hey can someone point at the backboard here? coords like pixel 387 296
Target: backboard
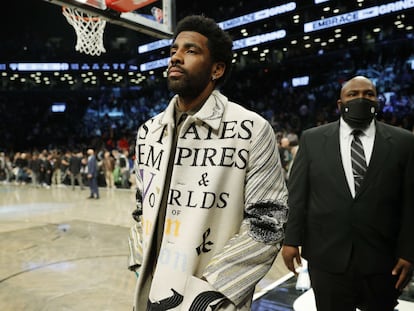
pixel 152 17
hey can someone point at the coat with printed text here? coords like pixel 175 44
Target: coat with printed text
pixel 225 213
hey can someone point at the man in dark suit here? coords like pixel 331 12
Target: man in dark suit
pixel 358 242
pixel 93 174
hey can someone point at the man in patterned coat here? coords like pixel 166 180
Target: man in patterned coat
pixel 211 197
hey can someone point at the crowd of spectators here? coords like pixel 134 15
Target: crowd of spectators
pixel 108 122
pixel 68 168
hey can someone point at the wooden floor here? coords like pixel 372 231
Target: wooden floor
pixel 61 251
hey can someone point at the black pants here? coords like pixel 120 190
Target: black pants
pixel 353 289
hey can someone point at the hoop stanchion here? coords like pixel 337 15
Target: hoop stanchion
pixel 89 30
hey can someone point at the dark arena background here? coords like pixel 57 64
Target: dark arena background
pixel 62 252
pixel 289 61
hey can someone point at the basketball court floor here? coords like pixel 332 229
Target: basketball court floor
pixel 62 251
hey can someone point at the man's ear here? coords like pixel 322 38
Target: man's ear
pixel 338 104
pixel 218 70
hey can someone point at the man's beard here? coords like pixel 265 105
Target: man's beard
pixel 189 86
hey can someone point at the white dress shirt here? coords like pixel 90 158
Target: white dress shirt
pixel 345 139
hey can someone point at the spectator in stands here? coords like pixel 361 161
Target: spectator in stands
pixel 125 168
pixel 65 167
pixel 35 166
pixel 210 183
pixel 123 143
pixel 45 169
pixel 5 167
pixel 74 169
pixel 49 168
pixel 21 165
pixel 108 165
pixel 285 155
pixel 93 174
pixel 84 169
pixel 293 148
pixel 117 167
pixel 56 168
pixel 356 235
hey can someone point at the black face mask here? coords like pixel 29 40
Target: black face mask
pixel 359 112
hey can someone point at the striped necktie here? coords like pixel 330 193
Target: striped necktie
pixel 359 164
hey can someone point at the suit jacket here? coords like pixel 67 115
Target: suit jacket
pixel 329 224
pixel 92 166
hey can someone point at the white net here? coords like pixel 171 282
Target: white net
pixel 89 31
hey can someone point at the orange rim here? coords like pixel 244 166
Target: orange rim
pixel 77 17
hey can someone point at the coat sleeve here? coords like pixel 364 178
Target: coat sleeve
pixel 405 248
pixel 135 232
pixel 248 256
pixel 298 193
pixel 135 248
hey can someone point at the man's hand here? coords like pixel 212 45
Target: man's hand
pixel 289 253
pixel 404 270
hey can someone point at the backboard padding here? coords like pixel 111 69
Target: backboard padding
pixel 127 5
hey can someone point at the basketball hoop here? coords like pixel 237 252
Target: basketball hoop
pixel 89 30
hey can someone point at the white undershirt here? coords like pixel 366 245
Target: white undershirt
pixel 345 139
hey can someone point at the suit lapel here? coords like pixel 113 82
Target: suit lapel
pixel 333 157
pixel 380 152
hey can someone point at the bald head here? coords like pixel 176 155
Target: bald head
pixel 358 102
pixel 284 142
pixel 357 87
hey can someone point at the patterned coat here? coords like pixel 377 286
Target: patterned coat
pixel 225 214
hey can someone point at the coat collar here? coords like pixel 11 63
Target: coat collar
pixel 210 113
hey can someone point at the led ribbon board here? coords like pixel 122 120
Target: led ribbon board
pixel 356 16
